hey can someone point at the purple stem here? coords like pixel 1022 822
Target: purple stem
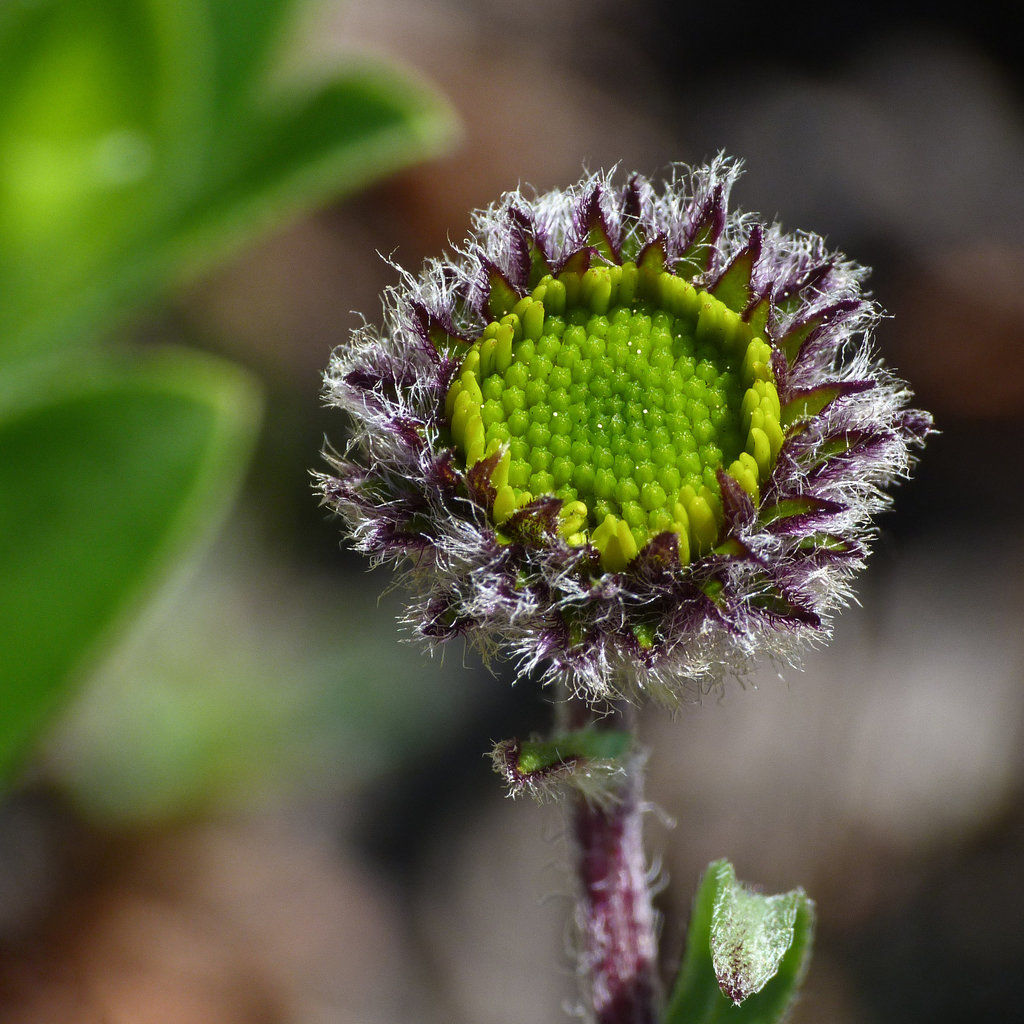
pixel 618 948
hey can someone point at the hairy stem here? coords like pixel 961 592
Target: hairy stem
pixel 618 948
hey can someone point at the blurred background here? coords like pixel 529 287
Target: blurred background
pixel 234 794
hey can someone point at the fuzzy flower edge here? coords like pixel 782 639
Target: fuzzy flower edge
pixel 658 628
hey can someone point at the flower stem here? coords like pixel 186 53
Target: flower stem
pixel 618 948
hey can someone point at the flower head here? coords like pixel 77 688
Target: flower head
pixel 629 436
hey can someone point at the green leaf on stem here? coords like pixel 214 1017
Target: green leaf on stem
pixel 584 744
pixel 592 761
pixel 746 953
pixel 109 474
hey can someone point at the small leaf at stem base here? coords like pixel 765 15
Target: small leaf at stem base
pixel 746 953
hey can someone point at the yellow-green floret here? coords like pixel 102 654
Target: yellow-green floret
pixel 622 391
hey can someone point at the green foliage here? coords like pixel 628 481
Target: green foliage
pixel 106 476
pixel 746 954
pixel 583 744
pixel 141 140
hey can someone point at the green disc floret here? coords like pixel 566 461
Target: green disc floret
pixel 622 391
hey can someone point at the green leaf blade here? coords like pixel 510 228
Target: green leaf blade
pixel 750 934
pixel 758 946
pixel 246 37
pixel 105 115
pixel 104 482
pixel 142 141
pixel 367 122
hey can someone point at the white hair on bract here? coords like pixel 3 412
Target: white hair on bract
pixel 661 627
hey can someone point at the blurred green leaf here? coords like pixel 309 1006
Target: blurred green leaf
pixel 103 111
pixel 303 149
pixel 109 472
pixel 140 140
pixel 246 35
pixel 758 947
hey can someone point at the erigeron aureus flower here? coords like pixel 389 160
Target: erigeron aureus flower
pixel 627 435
